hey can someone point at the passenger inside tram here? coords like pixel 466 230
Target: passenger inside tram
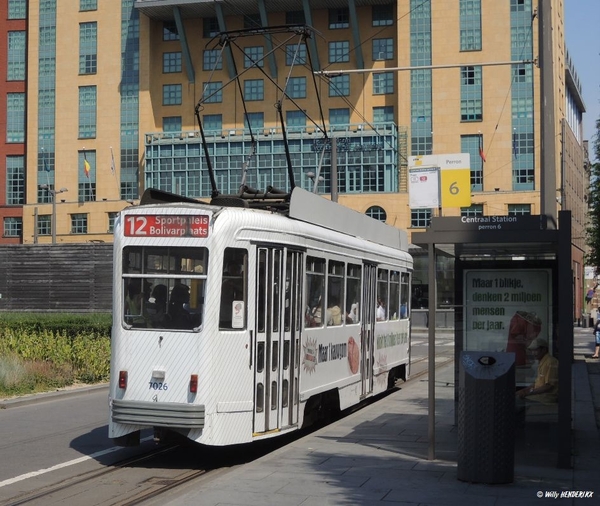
pixel 179 311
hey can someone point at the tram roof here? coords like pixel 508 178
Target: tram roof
pixel 303 206
pixel 308 207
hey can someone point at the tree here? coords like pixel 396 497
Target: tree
pixel 593 227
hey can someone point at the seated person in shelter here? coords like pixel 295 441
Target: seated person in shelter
pixel 524 327
pixel 545 387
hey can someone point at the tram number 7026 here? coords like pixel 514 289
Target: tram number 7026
pixel 158 385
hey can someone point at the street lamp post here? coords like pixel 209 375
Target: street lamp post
pixel 53 193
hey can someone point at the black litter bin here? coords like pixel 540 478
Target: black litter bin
pixel 486 417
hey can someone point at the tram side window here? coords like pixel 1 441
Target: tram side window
pixel 353 292
pixel 382 294
pixel 233 291
pixel 156 295
pixel 315 288
pixel 394 303
pixel 404 295
pixel 335 293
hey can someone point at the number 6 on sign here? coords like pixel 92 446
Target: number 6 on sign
pixel 456 187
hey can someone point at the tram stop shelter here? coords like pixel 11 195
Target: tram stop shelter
pixel 513 283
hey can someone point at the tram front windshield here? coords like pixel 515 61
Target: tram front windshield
pixel 164 287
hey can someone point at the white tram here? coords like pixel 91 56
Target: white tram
pixel 235 324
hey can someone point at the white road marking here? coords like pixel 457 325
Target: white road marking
pixel 64 464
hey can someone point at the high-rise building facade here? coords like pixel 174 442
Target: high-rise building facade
pixel 114 89
pixel 13 48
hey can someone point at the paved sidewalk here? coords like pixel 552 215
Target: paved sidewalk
pixel 378 455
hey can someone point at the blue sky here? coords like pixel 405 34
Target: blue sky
pixel 582 33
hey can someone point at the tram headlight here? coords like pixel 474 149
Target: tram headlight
pixel 123 379
pixel 194 383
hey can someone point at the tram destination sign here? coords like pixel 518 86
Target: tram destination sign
pixel 153 225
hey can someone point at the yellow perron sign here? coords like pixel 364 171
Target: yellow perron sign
pixel 454 181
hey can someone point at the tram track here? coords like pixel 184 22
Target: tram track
pixel 144 478
pixel 89 478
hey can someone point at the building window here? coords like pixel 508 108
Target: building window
pixel 15 180
pixel 170 31
pixel 339 86
pixel 172 124
pixel 87 112
pixel 383 83
pixel 43 195
pixel 17 9
pixel 420 218
pixel 44 224
pixel 295 118
pixel 473 210
pixel 252 21
pixel 471 108
pixel 255 120
pixel 16 56
pixel 470 25
pixel 111 222
pixel 383 15
pixel 210 27
pixel 15 117
pixel 470 144
pixel 519 209
pixel 172 94
pixel 254 89
pixel 519 5
pixel 339 51
pixel 295 51
pixel 294 18
pixel 377 213
pixel 79 223
pixel 383 114
pixel 296 87
pixel 171 62
pixel 212 122
pixel 213 92
pixel 88 52
pixel 253 56
pixel 383 49
pixel 211 60
pixel 13 227
pixel 339 18
pixel 522 73
pixel 339 117
pixel 129 190
pixel 88 5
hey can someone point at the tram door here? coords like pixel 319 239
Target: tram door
pixel 367 340
pixel 277 359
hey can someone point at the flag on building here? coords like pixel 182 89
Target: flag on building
pixel 515 149
pixel 86 166
pixel 46 165
pixel 481 153
pixel 112 161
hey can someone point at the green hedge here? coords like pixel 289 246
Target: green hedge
pixel 45 351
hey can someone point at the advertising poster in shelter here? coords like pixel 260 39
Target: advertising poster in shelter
pixel 507 309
